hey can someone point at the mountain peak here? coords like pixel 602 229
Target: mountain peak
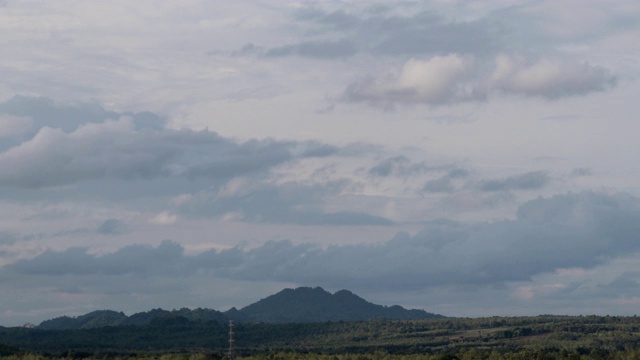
pixel 306 304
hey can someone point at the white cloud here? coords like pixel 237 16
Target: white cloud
pixel 164 218
pixel 548 78
pixel 453 79
pixel 439 80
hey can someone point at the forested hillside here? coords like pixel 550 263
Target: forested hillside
pixel 580 335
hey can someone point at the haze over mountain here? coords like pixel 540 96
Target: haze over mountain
pixel 301 305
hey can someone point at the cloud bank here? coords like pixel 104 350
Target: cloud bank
pixel 580 230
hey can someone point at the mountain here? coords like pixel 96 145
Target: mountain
pixel 301 305
pixel 103 318
pixel 307 304
pixel 93 319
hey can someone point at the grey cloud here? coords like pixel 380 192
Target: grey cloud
pixel 445 184
pixel 93 151
pixel 253 156
pixel 68 117
pixel 458 173
pixel 452 79
pixel 288 203
pixel 426 33
pixel 316 49
pixel 336 20
pixel 440 185
pixel 549 78
pixel 8 238
pixel 113 227
pixel 397 165
pixel 387 166
pixel 166 259
pixel 527 181
pixel 249 49
pixel 381 32
pixel 582 230
pixel 117 149
pixel 579 172
pixel 570 234
pixel 626 284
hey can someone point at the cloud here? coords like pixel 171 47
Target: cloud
pixel 93 151
pixel 8 238
pixel 117 149
pixel 166 259
pixel 316 49
pixel 454 79
pixel 581 230
pixel 287 203
pixel 580 172
pixel 528 181
pixel 163 218
pixel 383 33
pixel 439 80
pixel 45 112
pixel 113 227
pixel 548 78
pixel 397 165
pixel 560 232
pixel 445 184
pixel 11 125
pixel 440 185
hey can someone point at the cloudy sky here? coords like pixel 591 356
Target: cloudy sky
pixel 466 158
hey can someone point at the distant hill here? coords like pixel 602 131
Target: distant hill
pixel 301 305
pixel 307 304
pixel 103 318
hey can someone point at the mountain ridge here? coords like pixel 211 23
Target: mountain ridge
pixel 299 305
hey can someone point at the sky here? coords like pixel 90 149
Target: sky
pixel 466 158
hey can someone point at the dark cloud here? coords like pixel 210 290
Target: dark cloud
pixel 288 203
pixel 113 227
pixel 567 231
pixel 528 181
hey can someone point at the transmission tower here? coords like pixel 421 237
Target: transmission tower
pixel 231 341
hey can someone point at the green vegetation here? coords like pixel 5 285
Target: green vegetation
pixel 491 338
